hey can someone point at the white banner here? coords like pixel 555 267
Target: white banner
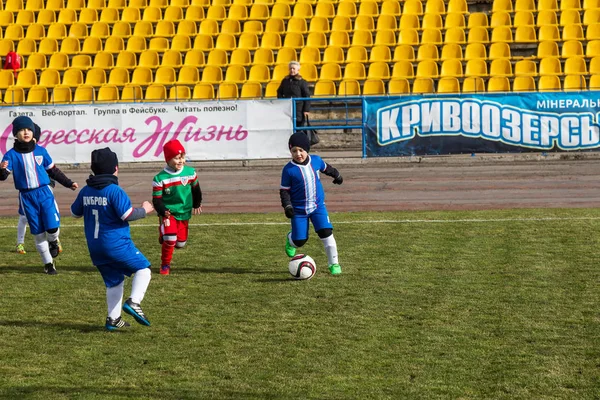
pixel 219 130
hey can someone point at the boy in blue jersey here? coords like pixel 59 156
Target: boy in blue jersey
pixel 32 167
pixel 303 199
pixel 106 210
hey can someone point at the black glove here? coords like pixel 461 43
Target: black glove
pixel 289 211
pixel 339 180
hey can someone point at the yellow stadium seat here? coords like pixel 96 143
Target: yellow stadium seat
pixel 523 84
pixel 499 50
pixel 130 14
pixel 431 36
pixel 311 55
pixel 341 24
pixel 454 51
pixel 349 87
pixel 152 14
pixel 500 18
pixel 498 84
pixel 14 95
pixel 457 35
pixel 61 95
pixel 322 9
pixel 281 10
pixel 208 27
pixel 476 67
pixel 303 10
pixel 195 13
pixel 572 48
pixel 241 57
pixel 502 34
pixel 391 8
pixel 572 32
pixel 347 8
pixel 188 28
pixel 593 32
pixel 95 77
pixel 448 85
pixel 373 87
pixel 117 4
pixel 385 21
pixel 524 18
pixel 339 39
pixel 423 85
pixel 46 46
pixel 404 52
pixel 118 76
pixel 72 77
pixel 368 8
pixel 501 67
pixel 266 56
pixel 26 17
pixel 7 78
pixel 547 5
pixel 293 40
pixel 276 25
pixel 432 21
pixel 109 15
pixel 6 18
pixel 574 82
pixel 594 82
pixel 203 42
pixel 131 93
pixel 525 68
pixel 478 19
pixel 238 12
pixel 141 76
pixel 410 21
pixel 317 39
pixel 104 60
pixel 575 66
pixel 70 45
pixel 49 78
pixel 435 7
pixel 180 93
pixel 178 42
pixel 34 5
pixel 235 74
pixel 549 82
pixel 216 12
pixel 548 32
pixel 297 24
pixel 136 44
pixel 188 75
pixel 279 72
pixel 550 66
pixel 547 49
pixel 126 59
pixel 413 7
pixel 380 53
pixel 59 61
pixel 226 42
pixel 355 71
pixel 458 6
pixel 143 29
pixel 381 70
pixel 251 90
pixel 594 66
pixel 259 73
pixel 156 92
pixel 212 75
pixel 398 86
pixel 203 91
pixel 37 95
pixel 427 69
pixel 259 12
pixel 427 52
pixel 26 47
pixel 318 24
pixel 34 31
pixel 525 5
pixel 325 88
pixel 78 30
pixel 364 38
pixel 248 41
pixel 502 5
pixel 409 37
pixel 592 48
pixel 591 16
pixel 34 61
pixel 591 4
pixel 570 17
pixel 84 94
pixel 174 14
pixel 401 69
pixel 570 4
pixel 334 54
pixel 149 59
pixel 451 68
pixel 121 29
pixel 89 16
pixel 15 32
pixel 454 20
pixel 473 84
pixel 270 41
pixel 194 58
pixel 165 29
pixel 228 90
pixel 331 72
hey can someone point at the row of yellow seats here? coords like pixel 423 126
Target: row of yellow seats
pixel 546 17
pixel 532 5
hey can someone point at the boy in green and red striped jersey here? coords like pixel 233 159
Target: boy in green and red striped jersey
pixel 176 195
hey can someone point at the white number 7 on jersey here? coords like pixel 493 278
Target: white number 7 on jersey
pixel 97 223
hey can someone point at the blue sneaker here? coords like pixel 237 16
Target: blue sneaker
pixel 136 312
pixel 114 324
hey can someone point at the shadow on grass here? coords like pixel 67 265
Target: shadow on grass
pixel 222 270
pixel 39 269
pixel 83 328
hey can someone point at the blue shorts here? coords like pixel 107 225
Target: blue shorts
pixel 113 274
pixel 319 219
pixel 40 209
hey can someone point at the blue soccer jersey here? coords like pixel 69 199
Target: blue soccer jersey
pixel 104 212
pixel 304 184
pixel 29 169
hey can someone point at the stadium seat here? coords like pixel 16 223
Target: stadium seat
pixel 500 18
pixel 547 5
pixel 171 58
pixel 368 8
pixel 423 85
pixel 523 84
pixel 409 21
pixel 476 68
pixel 136 44
pixel 37 95
pixel 349 87
pixel 248 41
pixel 451 68
pixel 549 82
pixel 524 18
pixel 457 35
pixel 188 75
pixel 149 59
pixel 547 49
pixel 594 82
pixel 313 55
pixel 575 66
pixel 499 50
pixel 84 94
pixel 386 21
pixel 317 39
pixel 95 77
pixel 501 67
pixel 281 10
pixel 284 56
pixel 319 24
pixel 457 6
pixel 452 51
pixel 498 84
pixel 15 32
pixel 266 57
pixel 217 57
pixel 502 34
pixel 259 12
pixel 355 71
pixel 259 73
pixel 413 7
pixel 432 21
pixel 46 46
pixel 390 8
pixel 570 17
pixel 593 31
pixel 34 31
pixel 26 17
pixel 373 87
pixel 525 68
pixel 524 5
pixel 203 91
pixel 294 40
pixel 435 7
pixel 212 75
pixel 235 74
pixel 448 85
pixel 340 24
pixel 180 93
pixel 365 38
pixel 156 92
pixel 475 51
pixel 251 90
pixel 228 90
pixel 427 69
pixel 548 32
pixel 502 5
pixel 478 19
pixel 304 10
pixel 572 32
pixel 473 84
pixel 333 54
pixel 14 95
pixel 270 41
pixel 49 78
pixel 398 86
pixel 203 42
pixel 275 25
pixel 103 60
pixel 407 36
pixel 431 36
pixel 194 58
pixel 404 52
pixel 574 82
pixel 381 70
pixel 330 72
pixel 298 25
pixel 570 4
pixel 550 66
pixel 109 94
pixel 591 16
pixel 72 77
pixel 591 4
pixel 126 59
pixel 195 13
pixel 324 88
pixel 340 39
pixel 7 78
pixel 61 95
pixel 26 47
pixel 27 78
pixel 132 93
pixel 143 29
pixel 380 53
pixel 279 72
pixel 271 89
pixel 174 13
pixel 455 20
pixel 165 76
pixel 572 48
pixel 34 61
pixel 401 69
pixel 118 76
pixel 232 27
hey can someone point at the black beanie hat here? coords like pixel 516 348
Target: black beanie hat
pixel 299 139
pixel 104 161
pixel 22 122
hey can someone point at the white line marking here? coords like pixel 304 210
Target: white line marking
pixel 375 221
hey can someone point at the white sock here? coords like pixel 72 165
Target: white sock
pixel 41 244
pixel 21 229
pixel 53 236
pixel 114 300
pixel 139 284
pixel 291 241
pixel 330 249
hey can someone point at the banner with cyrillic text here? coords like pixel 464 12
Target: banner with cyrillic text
pixel 487 123
pixel 220 130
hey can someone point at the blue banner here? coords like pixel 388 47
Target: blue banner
pixel 481 123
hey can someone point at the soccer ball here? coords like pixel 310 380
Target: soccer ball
pixel 302 267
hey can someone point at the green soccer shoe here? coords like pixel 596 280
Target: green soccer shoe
pixel 335 269
pixel 289 249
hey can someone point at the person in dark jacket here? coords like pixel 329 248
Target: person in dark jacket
pixel 293 86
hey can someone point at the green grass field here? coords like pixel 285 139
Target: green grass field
pixel 431 305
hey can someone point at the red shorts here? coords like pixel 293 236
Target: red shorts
pixel 173 230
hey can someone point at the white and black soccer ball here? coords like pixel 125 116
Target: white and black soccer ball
pixel 302 267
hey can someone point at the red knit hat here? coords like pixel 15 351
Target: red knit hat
pixel 172 148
